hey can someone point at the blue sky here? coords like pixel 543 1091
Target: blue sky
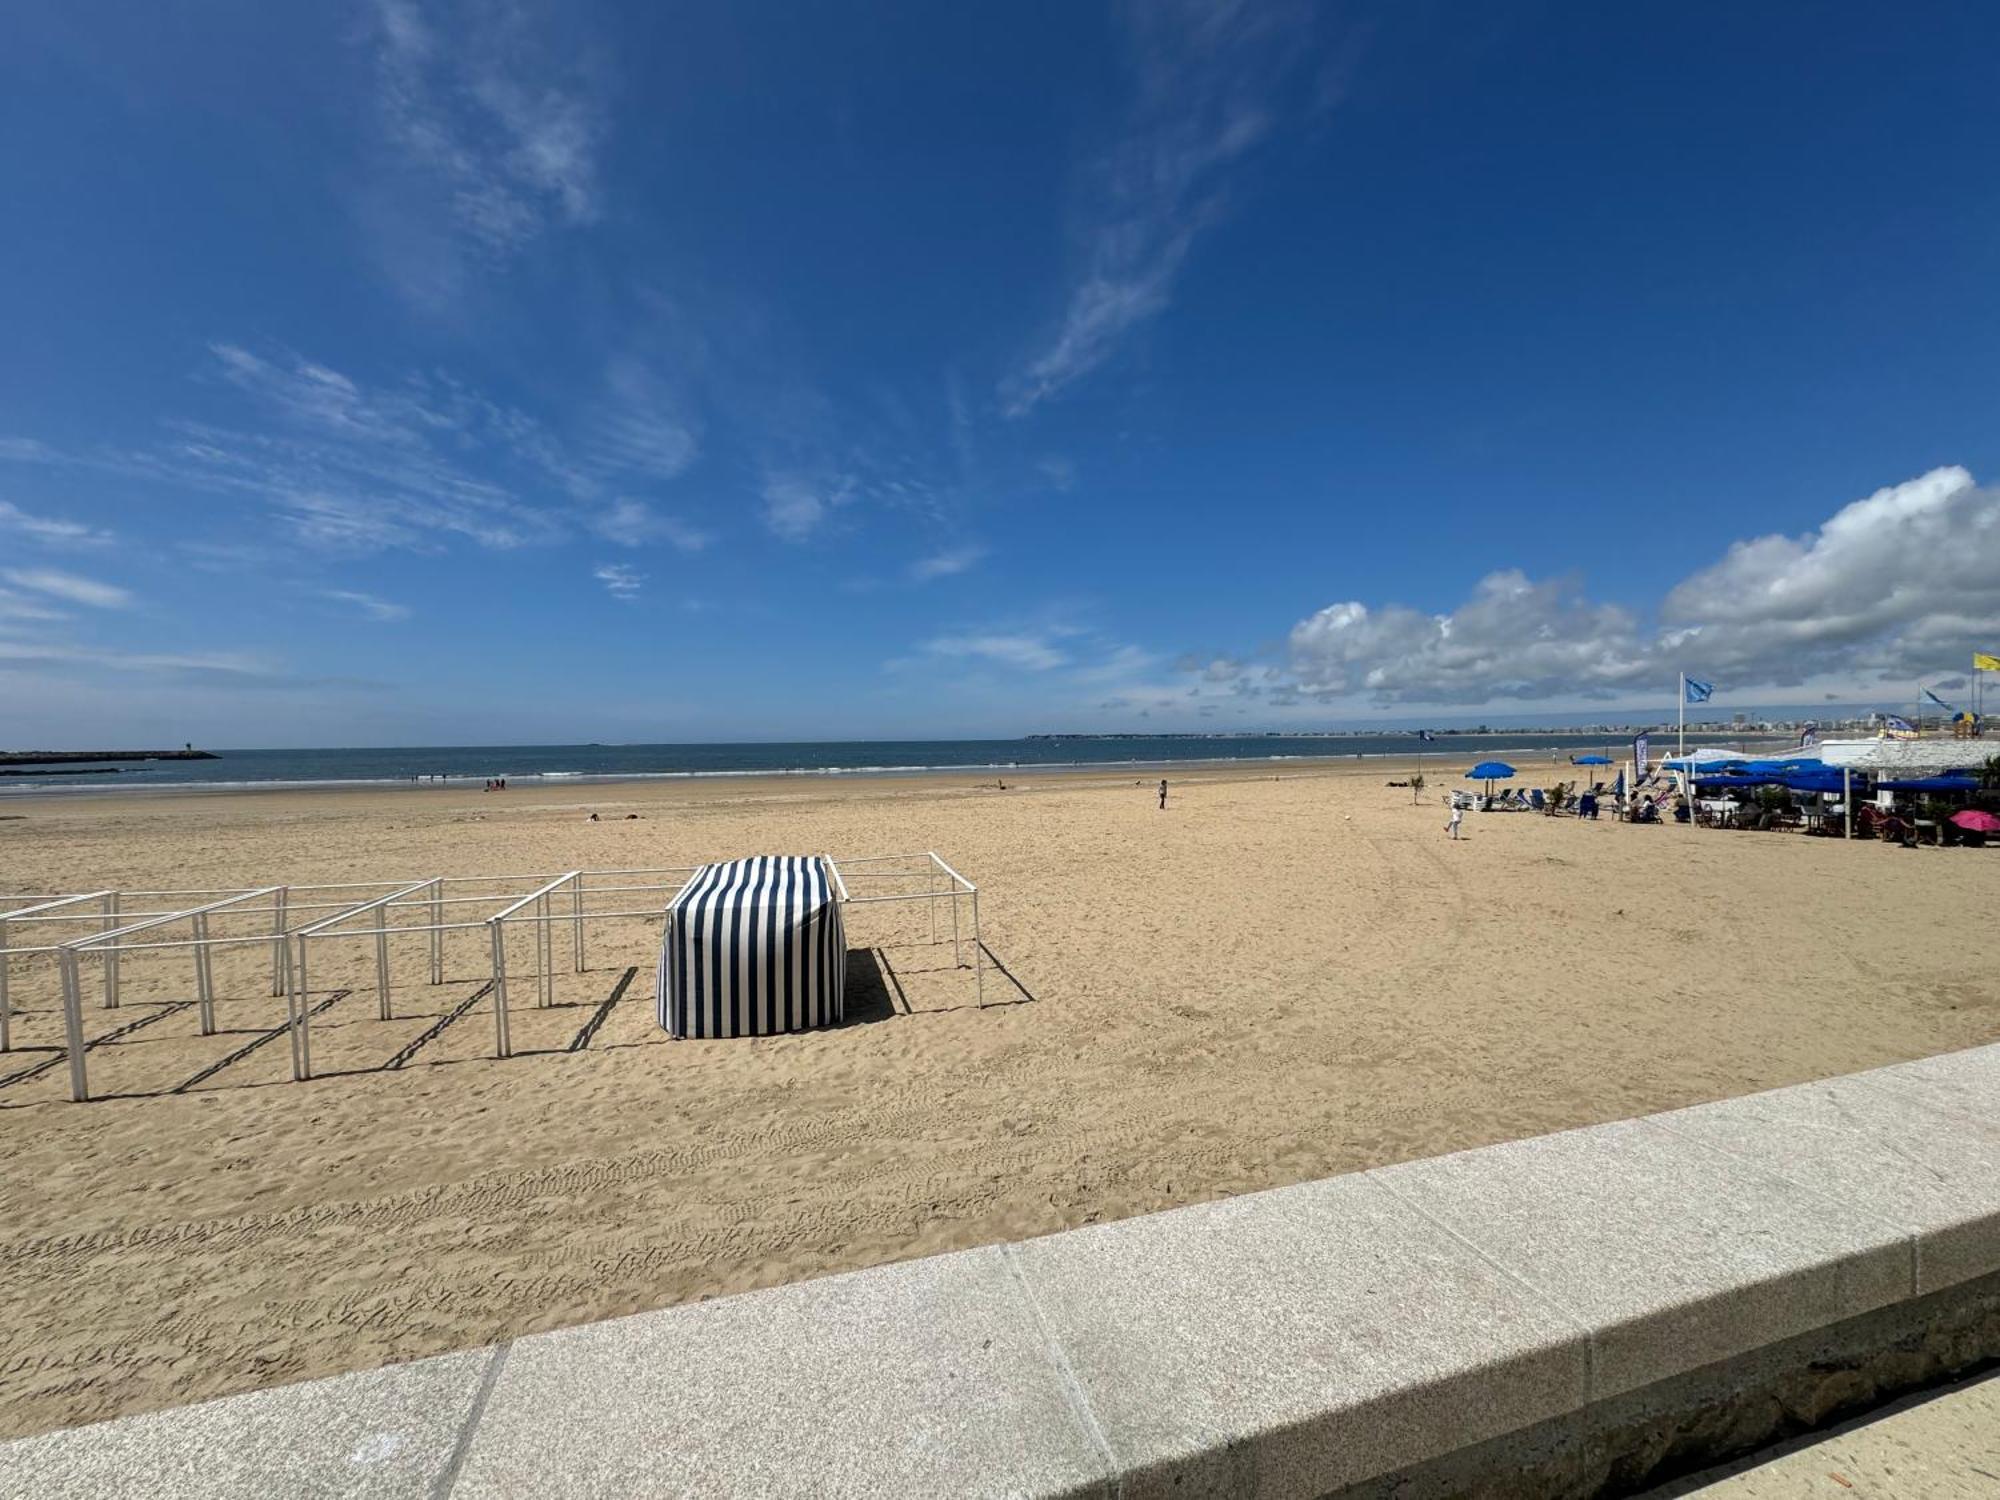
pixel 410 372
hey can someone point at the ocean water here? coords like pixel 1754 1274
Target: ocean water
pixel 419 766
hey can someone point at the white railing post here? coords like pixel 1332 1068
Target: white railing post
pixel 437 934
pixel 382 921
pixel 500 1045
pixel 279 980
pixel 576 917
pixel 111 955
pixel 978 951
pixel 204 975
pixel 301 1015
pixel 544 956
pixel 72 990
pixel 957 953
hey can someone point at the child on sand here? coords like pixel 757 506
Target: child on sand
pixel 1457 816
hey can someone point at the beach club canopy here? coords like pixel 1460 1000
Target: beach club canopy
pixel 1702 760
pixel 753 947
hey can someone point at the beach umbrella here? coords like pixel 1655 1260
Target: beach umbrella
pixel 1490 771
pixel 1590 760
pixel 1976 820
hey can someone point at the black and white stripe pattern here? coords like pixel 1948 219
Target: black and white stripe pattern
pixel 753 947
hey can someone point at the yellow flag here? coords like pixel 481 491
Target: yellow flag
pixel 1981 662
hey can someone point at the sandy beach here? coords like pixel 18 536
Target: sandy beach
pixel 1278 978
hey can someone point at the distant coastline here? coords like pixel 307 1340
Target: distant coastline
pixel 415 768
pixel 94 757
pixel 1485 732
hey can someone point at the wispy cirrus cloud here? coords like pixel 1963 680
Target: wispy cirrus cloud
pixel 368 605
pixel 480 111
pixel 69 587
pixel 797 505
pixel 634 523
pixel 351 467
pixel 50 531
pixel 1034 652
pixel 1208 80
pixel 945 564
pixel 620 580
pixel 226 663
pixel 15 606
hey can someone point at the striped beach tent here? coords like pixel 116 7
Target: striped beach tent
pixel 753 947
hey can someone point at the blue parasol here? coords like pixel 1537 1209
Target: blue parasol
pixel 1490 771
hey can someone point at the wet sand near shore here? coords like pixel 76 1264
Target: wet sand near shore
pixel 1286 974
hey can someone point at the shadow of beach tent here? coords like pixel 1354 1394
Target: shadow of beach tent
pixel 1490 771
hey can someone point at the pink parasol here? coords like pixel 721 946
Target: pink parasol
pixel 1973 820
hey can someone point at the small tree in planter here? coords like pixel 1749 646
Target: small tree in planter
pixel 1416 786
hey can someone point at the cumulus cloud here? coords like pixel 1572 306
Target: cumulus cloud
pixel 1514 638
pixel 1884 587
pixel 69 587
pixel 1903 581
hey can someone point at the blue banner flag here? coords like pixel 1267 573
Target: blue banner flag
pixel 1698 692
pixel 1947 707
pixel 1425 735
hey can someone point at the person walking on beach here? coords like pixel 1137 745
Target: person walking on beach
pixel 1457 817
pixel 1163 794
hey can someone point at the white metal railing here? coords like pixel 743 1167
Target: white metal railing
pixel 124 919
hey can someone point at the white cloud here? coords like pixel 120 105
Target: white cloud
pixel 797 505
pixel 355 469
pixel 227 663
pixel 1902 582
pixel 620 580
pixel 417 464
pixel 474 104
pixel 368 604
pixel 1034 652
pixel 69 587
pixel 14 606
pixel 642 426
pixel 1208 76
pixel 945 564
pixel 1513 638
pixel 51 531
pixel 633 523
pixel 1884 586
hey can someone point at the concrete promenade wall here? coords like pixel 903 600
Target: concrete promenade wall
pixel 1564 1315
